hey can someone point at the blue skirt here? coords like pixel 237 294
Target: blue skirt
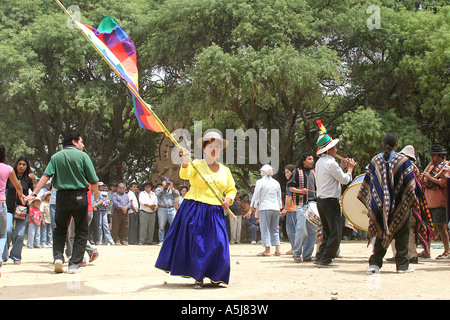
pixel 196 244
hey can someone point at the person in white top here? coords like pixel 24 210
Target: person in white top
pixel 329 177
pixel 133 213
pixel 147 214
pixel 268 196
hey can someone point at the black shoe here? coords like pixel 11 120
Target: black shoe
pixel 390 259
pixel 327 265
pixel 414 260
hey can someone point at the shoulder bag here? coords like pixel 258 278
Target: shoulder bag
pixel 20 213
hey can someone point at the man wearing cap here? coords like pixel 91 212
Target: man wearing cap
pixel 435 185
pixel 329 177
pixel 166 195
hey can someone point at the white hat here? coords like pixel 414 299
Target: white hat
pixel 409 152
pixel 210 136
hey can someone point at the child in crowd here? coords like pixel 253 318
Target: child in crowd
pixel 35 220
pixel 253 227
pixel 46 228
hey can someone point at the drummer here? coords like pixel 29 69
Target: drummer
pixel 303 186
pixel 329 177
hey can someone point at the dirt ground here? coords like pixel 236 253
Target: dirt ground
pixel 127 272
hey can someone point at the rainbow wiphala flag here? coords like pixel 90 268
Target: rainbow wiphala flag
pixel 116 46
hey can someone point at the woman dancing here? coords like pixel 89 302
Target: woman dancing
pixel 196 245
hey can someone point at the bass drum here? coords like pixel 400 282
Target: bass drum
pixel 353 209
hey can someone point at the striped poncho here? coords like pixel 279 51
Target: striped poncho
pixel 388 192
pixel 424 222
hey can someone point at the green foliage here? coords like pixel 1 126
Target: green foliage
pixel 53 81
pixel 362 132
pixel 236 64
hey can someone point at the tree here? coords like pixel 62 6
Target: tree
pixel 260 62
pixel 402 66
pixel 361 134
pixel 53 81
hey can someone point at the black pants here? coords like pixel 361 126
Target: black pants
pixel 330 215
pixel 401 246
pixel 71 203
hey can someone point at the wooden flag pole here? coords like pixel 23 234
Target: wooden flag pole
pixel 149 109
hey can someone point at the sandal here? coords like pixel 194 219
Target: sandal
pixel 263 254
pixel 277 254
pixel 198 285
pixel 445 255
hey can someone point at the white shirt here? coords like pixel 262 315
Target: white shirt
pixel 267 194
pixel 134 201
pixel 149 199
pixel 329 177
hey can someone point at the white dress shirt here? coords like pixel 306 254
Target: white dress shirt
pixel 329 177
pixel 134 201
pixel 149 199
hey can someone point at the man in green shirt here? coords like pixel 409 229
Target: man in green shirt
pixel 72 171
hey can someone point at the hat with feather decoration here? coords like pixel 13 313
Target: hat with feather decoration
pixel 325 142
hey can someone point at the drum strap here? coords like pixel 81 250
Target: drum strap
pixel 301 184
pixel 301 176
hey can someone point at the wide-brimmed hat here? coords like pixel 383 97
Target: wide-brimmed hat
pixel 34 200
pixel 210 136
pixel 48 193
pixel 409 152
pixel 436 148
pixel 324 142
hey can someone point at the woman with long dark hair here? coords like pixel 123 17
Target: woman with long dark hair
pixel 16 227
pixel 6 174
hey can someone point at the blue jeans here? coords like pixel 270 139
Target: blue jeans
pixel 3 228
pixel 291 221
pixel 268 224
pixel 164 215
pixel 17 239
pixel 52 208
pixel 34 236
pixel 104 225
pixel 46 234
pixel 305 235
pixel 253 232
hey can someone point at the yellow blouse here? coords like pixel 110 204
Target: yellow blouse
pixel 222 182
